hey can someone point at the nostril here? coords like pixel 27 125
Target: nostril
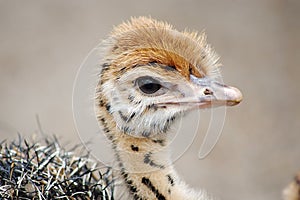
pixel 208 92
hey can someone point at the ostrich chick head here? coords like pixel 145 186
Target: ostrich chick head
pixel 152 73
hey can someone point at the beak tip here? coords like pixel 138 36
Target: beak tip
pixel 234 96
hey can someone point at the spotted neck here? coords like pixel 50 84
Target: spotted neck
pixel 144 165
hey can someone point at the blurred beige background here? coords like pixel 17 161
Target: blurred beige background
pixel 42 44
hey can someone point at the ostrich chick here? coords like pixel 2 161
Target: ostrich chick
pixel 151 75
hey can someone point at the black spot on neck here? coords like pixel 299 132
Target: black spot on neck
pixel 161 142
pixel 171 180
pixel 149 184
pixel 134 148
pixel 149 161
pixel 107 106
pixel 101 103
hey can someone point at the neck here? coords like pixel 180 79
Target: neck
pixel 144 166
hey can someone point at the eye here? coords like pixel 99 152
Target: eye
pixel 148 85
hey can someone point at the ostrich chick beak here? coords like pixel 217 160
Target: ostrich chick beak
pixel 210 93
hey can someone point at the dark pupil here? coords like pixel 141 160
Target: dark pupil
pixel 148 85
